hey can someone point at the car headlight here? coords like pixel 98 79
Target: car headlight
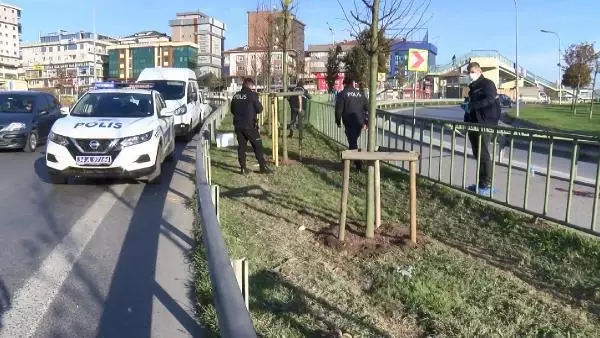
pixel 58 139
pixel 15 126
pixel 181 110
pixel 133 140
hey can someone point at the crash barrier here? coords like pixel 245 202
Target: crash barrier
pixel 550 175
pixel 231 307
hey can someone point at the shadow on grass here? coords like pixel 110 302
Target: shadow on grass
pixel 273 295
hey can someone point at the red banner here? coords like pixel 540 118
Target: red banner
pixel 322 83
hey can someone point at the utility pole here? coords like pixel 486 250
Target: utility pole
pixel 94 49
pixel 559 84
pixel 596 70
pixel 517 55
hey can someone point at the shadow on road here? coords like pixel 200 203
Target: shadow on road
pixel 4 300
pixel 128 307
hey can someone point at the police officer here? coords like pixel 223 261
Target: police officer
pixel 245 106
pixel 482 107
pixel 295 105
pixel 351 108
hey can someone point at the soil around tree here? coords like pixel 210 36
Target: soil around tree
pixel 387 236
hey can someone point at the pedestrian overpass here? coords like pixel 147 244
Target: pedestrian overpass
pixel 501 70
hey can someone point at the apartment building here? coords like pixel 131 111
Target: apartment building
pixel 260 22
pixel 10 37
pixel 252 62
pixel 66 60
pixel 126 62
pixel 206 32
pixel 316 63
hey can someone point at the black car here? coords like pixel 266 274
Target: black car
pixel 26 118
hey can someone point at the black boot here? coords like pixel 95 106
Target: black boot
pixel 265 170
pixel 244 171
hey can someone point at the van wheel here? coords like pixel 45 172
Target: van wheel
pixel 32 142
pixel 189 135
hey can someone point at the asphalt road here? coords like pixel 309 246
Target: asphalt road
pixel 95 258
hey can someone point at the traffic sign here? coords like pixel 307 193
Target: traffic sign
pixel 417 60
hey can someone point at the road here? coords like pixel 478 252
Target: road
pixel 581 207
pixel 95 258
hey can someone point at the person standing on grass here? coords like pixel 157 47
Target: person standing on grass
pixel 295 105
pixel 482 108
pixel 245 106
pixel 351 108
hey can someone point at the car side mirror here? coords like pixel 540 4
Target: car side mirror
pixel 165 112
pixel 64 110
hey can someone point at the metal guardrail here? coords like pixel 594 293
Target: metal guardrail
pixel 233 316
pixel 561 188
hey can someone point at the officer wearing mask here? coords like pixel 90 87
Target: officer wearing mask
pixel 482 107
pixel 245 106
pixel 351 108
pixel 295 105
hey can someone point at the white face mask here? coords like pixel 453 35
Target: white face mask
pixel 474 76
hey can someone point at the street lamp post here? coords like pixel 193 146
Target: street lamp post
pixel 559 68
pixel 517 55
pixel 332 34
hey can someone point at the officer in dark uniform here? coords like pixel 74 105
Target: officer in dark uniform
pixel 245 106
pixel 482 107
pixel 351 108
pixel 295 105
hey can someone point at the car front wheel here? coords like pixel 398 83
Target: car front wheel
pixel 32 142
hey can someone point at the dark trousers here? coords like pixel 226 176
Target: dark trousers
pixel 294 118
pixel 243 136
pixel 352 134
pixel 485 165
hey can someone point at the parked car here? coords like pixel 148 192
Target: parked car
pixel 26 118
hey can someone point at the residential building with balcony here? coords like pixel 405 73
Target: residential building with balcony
pixel 10 40
pixel 126 62
pixel 252 62
pixel 260 22
pixel 66 60
pixel 316 64
pixel 206 32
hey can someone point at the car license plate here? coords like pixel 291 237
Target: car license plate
pixel 93 160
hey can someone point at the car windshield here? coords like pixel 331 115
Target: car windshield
pixel 16 103
pixel 170 90
pixel 114 104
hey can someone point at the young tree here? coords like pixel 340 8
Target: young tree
pixel 399 18
pixel 579 60
pixel 333 67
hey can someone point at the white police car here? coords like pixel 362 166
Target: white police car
pixel 112 133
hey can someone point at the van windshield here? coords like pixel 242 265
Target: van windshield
pixel 170 90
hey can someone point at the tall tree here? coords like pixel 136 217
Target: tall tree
pixel 397 18
pixel 333 67
pixel 356 63
pixel 579 60
pixel 287 7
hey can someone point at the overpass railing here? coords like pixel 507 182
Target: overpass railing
pixel 551 175
pixel 232 312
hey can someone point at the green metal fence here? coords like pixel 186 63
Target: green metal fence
pixel 546 174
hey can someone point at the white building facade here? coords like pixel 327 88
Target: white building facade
pixel 251 62
pixel 66 60
pixel 10 37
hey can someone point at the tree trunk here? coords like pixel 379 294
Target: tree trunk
pixel 373 66
pixel 285 79
pixel 593 90
pixel 576 98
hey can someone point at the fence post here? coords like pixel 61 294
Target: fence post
pixel 240 268
pixel 215 190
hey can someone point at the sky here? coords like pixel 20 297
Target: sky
pixel 455 26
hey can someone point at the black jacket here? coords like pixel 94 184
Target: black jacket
pixel 245 106
pixel 351 107
pixel 484 107
pixel 295 101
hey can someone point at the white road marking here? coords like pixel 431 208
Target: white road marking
pixel 31 302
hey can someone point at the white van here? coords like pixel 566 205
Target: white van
pixel 179 88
